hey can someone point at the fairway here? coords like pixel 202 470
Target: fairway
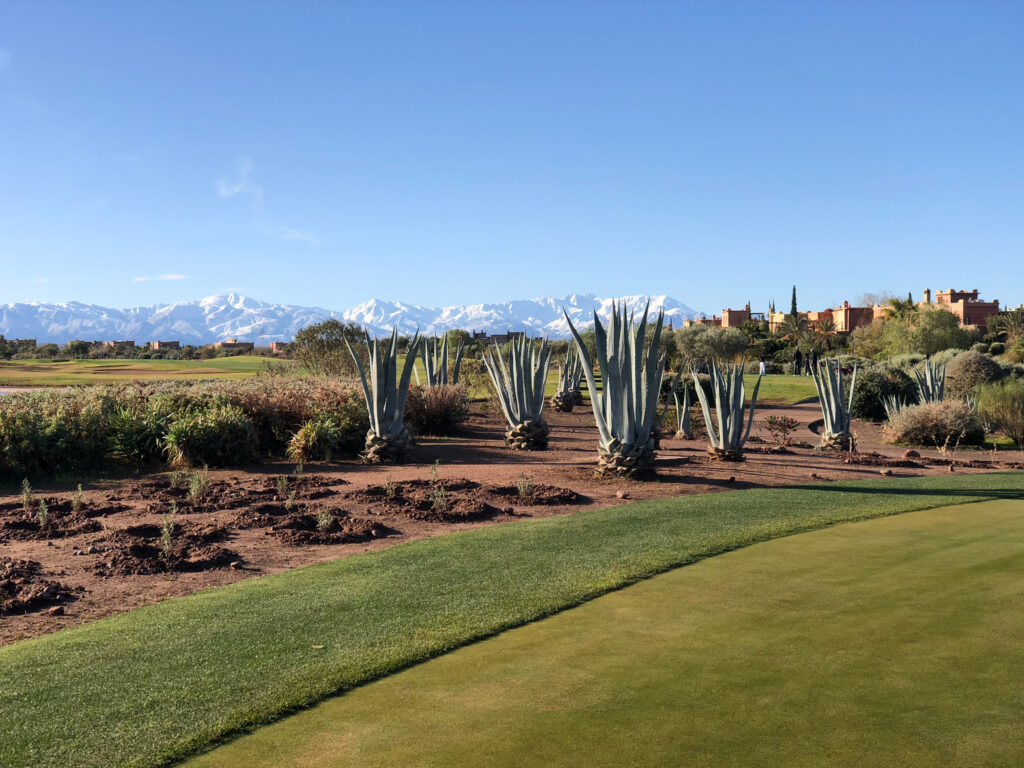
pixel 891 642
pixel 53 373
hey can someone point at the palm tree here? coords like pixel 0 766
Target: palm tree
pixel 825 335
pixel 793 328
pixel 900 309
pixel 1011 325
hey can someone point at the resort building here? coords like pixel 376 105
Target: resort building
pixel 969 309
pixel 244 346
pixel 157 346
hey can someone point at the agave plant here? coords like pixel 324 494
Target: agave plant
pixel 520 383
pixel 385 392
pixel 435 362
pixel 931 385
pixel 568 393
pixel 728 439
pixel 893 405
pixel 683 429
pixel 835 405
pixel 627 406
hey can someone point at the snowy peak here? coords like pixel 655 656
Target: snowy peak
pixel 216 318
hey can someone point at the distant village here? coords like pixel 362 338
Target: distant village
pixel 967 306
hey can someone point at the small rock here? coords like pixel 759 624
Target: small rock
pixel 91 550
pixel 951 468
pixel 622 494
pixel 732 479
pixel 814 474
pixel 235 564
pixel 910 453
pixel 49 543
pixel 885 472
pixel 507 510
pixel 57 610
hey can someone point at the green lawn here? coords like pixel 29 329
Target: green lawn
pixel 159 682
pixel 893 642
pixel 43 373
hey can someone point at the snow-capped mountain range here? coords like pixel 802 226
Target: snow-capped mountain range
pixel 216 318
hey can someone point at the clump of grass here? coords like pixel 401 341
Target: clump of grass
pixel 289 501
pixel 198 485
pixel 178 480
pixel 525 486
pixel 43 515
pixel 435 470
pixel 439 500
pixel 300 468
pixel 282 487
pixel 324 520
pixel 27 498
pixel 76 500
pixel 167 531
pixel 390 491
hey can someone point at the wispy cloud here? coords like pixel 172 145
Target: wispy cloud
pixel 159 277
pixel 244 186
pixel 298 234
pixel 41 280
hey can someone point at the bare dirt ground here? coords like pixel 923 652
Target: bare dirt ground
pixel 108 555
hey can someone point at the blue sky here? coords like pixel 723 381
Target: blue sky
pixel 442 153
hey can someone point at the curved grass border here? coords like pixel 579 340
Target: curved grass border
pixel 159 683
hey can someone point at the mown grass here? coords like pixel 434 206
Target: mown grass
pixel 158 683
pixel 889 642
pixel 53 373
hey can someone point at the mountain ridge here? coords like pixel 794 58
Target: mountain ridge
pixel 232 315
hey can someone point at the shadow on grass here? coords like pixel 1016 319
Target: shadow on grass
pixel 987 493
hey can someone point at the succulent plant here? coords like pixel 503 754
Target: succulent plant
pixel 435 362
pixel 385 392
pixel 683 429
pixel 627 406
pixel 931 385
pixel 520 384
pixel 893 404
pixel 728 439
pixel 835 405
pixel 567 393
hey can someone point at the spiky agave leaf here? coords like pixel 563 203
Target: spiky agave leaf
pixel 520 384
pixel 683 428
pixel 835 403
pixel 626 408
pixel 931 386
pixel 729 390
pixel 385 390
pixel 435 361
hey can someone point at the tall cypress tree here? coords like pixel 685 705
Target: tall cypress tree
pixel 792 309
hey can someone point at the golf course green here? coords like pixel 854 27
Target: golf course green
pixel 890 642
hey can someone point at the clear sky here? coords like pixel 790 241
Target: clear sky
pixel 446 153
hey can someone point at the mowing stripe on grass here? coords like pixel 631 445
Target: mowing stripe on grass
pixel 157 683
pixel 890 642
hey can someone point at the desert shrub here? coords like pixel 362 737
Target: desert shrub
pixel 942 424
pixel 874 383
pixel 325 437
pixel 945 356
pixel 53 431
pixel 905 361
pixel 1001 404
pixel 437 410
pixel 981 347
pixel 968 370
pixel 136 436
pixel 781 428
pixel 219 437
pixel 996 348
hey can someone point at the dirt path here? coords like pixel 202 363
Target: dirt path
pixel 108 556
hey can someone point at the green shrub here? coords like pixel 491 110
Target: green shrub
pixel 219 437
pixel 438 410
pixel 981 348
pixel 942 424
pixel 968 370
pixel 996 348
pixel 135 437
pixel 325 437
pixel 874 383
pixel 1001 404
